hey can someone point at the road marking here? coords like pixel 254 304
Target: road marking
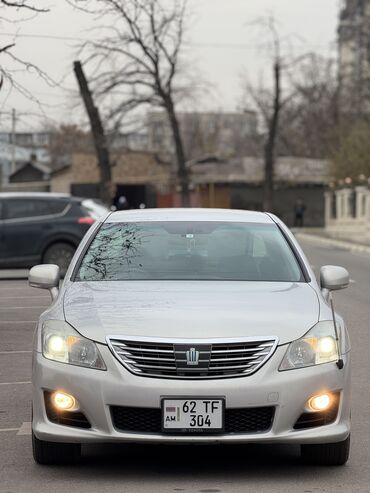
pixel 15 352
pixel 25 297
pixel 25 429
pixel 9 429
pixel 21 307
pixel 352 281
pixel 14 287
pixel 15 383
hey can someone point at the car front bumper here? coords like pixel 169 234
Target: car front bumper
pixel 96 391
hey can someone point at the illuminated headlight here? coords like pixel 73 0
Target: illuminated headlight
pixel 60 342
pixel 318 346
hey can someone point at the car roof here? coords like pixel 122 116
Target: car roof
pixel 39 195
pixel 191 214
pixel 33 194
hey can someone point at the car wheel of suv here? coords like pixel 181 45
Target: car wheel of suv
pixel 49 453
pixel 60 254
pixel 326 454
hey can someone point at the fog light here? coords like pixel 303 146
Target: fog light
pixel 64 402
pixel 320 402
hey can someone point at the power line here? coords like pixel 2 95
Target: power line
pixel 230 46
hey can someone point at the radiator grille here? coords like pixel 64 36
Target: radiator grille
pixel 148 420
pixel 192 360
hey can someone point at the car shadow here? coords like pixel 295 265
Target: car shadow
pixel 147 462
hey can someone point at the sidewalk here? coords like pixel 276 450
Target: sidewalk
pixel 13 273
pixel 319 236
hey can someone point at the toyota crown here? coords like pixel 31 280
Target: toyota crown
pixel 190 326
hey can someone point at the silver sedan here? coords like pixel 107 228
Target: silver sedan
pixel 190 325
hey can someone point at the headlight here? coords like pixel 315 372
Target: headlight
pixel 318 346
pixel 60 342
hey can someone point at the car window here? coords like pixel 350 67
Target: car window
pixel 1 210
pixel 27 208
pixel 194 251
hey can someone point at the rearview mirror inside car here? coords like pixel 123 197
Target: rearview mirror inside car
pixel 46 276
pixel 333 277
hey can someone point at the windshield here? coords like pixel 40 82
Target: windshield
pixel 189 251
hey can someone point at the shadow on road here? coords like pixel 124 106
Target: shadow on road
pixel 169 463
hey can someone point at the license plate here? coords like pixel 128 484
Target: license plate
pixel 197 415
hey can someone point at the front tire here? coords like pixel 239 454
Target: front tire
pixel 53 453
pixel 327 454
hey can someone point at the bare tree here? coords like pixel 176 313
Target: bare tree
pixel 269 105
pixel 98 133
pixel 136 59
pixel 309 120
pixel 66 140
pixel 7 7
pixel 298 110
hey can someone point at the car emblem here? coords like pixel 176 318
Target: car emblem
pixel 192 357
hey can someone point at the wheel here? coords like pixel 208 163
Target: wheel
pixel 60 254
pixel 50 453
pixel 327 454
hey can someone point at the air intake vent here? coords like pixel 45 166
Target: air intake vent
pixel 148 420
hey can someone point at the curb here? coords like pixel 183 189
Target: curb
pixel 346 245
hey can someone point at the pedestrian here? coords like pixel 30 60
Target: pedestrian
pixel 122 203
pixel 299 212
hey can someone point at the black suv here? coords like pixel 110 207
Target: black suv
pixel 43 227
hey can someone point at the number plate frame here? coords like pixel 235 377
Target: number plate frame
pixel 193 430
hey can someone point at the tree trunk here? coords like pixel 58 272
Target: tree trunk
pixel 271 141
pixel 99 137
pixel 182 171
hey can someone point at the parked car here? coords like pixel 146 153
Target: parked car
pixel 194 326
pixel 43 227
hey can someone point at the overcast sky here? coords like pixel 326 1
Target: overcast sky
pixel 222 47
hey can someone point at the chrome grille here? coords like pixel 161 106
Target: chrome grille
pixel 216 358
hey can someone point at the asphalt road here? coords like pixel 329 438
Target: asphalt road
pixel 177 468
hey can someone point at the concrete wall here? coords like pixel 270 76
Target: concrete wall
pixel 285 198
pixel 347 214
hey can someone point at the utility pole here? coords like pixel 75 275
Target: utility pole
pixel 97 130
pixel 12 149
pixel 271 140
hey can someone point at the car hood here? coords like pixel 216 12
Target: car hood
pixel 185 309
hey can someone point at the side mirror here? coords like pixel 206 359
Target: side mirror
pixel 46 276
pixel 333 277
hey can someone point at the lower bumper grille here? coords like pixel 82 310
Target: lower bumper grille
pixel 148 420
